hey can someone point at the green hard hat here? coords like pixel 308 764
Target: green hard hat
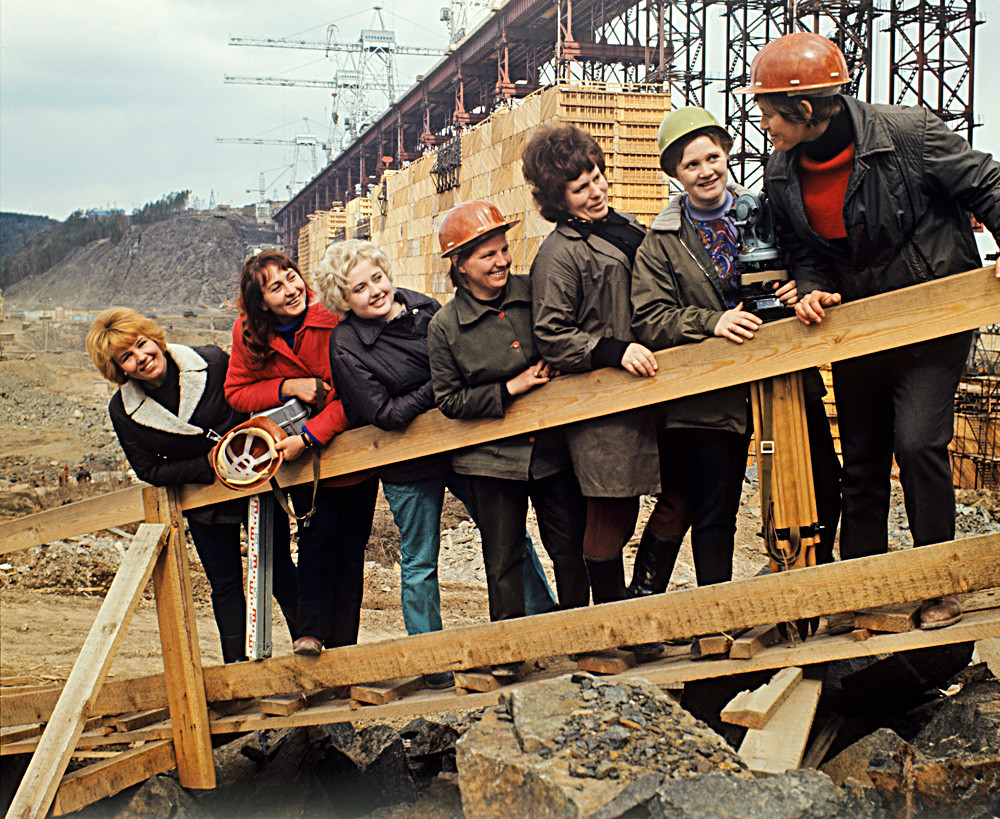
pixel 684 121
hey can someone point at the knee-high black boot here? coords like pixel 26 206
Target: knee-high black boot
pixel 607 578
pixel 654 563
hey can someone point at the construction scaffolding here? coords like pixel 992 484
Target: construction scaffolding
pixel 975 449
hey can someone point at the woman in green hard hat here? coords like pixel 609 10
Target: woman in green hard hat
pixel 869 199
pixel 685 288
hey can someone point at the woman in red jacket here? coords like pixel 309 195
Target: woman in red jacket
pixel 281 344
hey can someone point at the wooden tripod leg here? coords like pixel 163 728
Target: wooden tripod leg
pixel 181 651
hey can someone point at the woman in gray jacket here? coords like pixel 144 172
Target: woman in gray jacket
pixel 482 356
pixel 582 321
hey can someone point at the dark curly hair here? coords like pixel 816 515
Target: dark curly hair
pixel 555 155
pixel 258 323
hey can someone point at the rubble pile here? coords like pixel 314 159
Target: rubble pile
pixel 85 564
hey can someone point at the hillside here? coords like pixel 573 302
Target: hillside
pixel 17 228
pixel 188 261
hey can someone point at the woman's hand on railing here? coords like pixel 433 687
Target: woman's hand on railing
pixel 737 325
pixel 536 375
pixel 639 361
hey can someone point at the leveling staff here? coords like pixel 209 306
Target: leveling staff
pixel 869 199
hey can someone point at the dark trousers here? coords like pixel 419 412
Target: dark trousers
pixel 218 546
pixel 332 559
pixel 898 402
pixel 500 507
pixel 705 468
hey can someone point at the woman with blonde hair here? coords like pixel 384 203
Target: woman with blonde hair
pixel 166 412
pixel 382 371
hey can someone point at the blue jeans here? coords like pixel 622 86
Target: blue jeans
pixel 416 510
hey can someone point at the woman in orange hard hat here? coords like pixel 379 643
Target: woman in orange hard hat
pixel 869 199
pixel 482 356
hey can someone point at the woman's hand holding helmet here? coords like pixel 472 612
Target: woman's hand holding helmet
pixel 737 325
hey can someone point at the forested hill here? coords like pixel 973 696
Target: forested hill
pixel 17 228
pixel 187 260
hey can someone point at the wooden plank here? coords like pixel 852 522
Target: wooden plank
pixel 609 661
pixel 977 601
pixel 142 719
pixel 103 779
pixel 754 641
pixel 780 746
pixel 382 692
pixel 822 742
pixel 6 682
pixel 81 517
pixel 476 679
pixel 896 618
pixel 913 574
pixel 19 732
pixel 906 316
pixel 711 645
pixel 185 682
pixel 41 779
pixel 924 311
pixel 752 709
pixel 287 704
pixel 860 634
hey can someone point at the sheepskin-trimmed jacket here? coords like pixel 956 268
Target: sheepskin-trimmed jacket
pixel 905 209
pixel 171 448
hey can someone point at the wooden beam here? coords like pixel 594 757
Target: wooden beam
pixel 912 574
pixel 41 779
pixel 103 779
pixel 917 313
pixel 669 674
pixel 752 709
pixel 896 618
pixel 382 692
pixel 781 745
pixel 608 661
pixel 141 719
pixel 90 515
pixel 185 682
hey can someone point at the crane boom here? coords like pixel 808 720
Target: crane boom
pixel 351 47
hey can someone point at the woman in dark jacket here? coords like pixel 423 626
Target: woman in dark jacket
pixel 382 373
pixel 482 356
pixel 580 287
pixel 869 199
pixel 170 401
pixel 281 349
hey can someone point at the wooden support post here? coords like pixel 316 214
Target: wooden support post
pixel 41 779
pixel 181 651
pixel 103 779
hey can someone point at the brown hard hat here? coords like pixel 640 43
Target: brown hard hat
pixel 799 64
pixel 245 458
pixel 467 223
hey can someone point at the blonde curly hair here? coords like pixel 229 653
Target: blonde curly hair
pixel 330 277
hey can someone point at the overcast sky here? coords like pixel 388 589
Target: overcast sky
pixel 115 103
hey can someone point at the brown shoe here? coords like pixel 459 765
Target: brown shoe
pixel 307 647
pixel 939 612
pixel 840 623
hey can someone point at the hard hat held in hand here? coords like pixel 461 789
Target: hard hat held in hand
pixel 800 64
pixel 468 223
pixel 246 457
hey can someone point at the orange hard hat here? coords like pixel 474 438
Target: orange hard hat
pixel 246 458
pixel 467 223
pixel 798 64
